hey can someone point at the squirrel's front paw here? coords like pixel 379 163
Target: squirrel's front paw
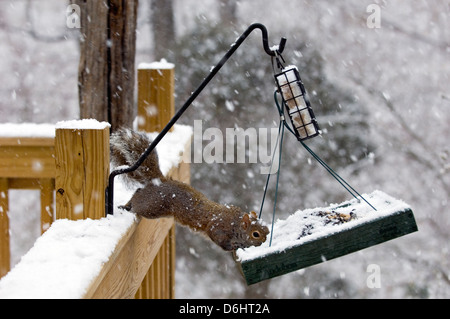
pixel 125 207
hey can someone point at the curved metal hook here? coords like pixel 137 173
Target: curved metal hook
pixel 234 47
pixel 265 39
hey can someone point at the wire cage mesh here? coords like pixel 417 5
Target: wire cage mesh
pixel 297 103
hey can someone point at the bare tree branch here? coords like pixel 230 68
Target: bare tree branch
pixel 444 46
pixel 434 161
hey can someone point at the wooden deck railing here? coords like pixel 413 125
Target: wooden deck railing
pixel 143 262
pixel 25 163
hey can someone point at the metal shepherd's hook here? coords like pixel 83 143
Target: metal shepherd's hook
pixel 272 52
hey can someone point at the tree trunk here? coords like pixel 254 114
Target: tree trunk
pixel 107 54
pixel 93 67
pixel 122 29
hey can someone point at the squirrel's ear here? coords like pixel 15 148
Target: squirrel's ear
pixel 245 222
pixel 254 214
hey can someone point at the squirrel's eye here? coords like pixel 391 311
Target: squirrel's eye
pixel 255 234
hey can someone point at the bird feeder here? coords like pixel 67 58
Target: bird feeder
pixel 313 236
pixel 354 229
pixel 297 103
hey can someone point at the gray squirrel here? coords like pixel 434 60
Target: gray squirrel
pixel 227 226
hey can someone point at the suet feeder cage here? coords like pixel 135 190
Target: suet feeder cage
pixel 297 103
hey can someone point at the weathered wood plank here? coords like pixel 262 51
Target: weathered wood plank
pixel 82 162
pixel 159 282
pixel 156 107
pixel 93 68
pixel 156 101
pixel 47 186
pixel 25 163
pixel 122 18
pixel 27 141
pixel 129 264
pixel 24 183
pixel 122 275
pixel 5 255
pixel 27 160
pixel 329 247
pixel 107 54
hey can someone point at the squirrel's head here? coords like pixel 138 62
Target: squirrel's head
pixel 254 232
pixel 233 229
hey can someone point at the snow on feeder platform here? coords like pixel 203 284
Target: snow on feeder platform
pixel 312 236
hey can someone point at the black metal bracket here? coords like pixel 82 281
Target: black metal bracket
pixel 272 52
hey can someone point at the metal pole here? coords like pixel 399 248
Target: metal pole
pixel 234 47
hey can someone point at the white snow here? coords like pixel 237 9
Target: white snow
pixel 69 255
pixel 27 130
pixel 65 259
pixel 274 48
pixel 288 233
pixel 84 124
pixel 47 129
pixel 163 65
pixel 171 147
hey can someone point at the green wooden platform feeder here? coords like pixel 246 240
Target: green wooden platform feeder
pixel 315 235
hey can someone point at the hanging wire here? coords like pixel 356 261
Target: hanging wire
pixel 283 124
pixel 340 180
pixel 335 175
pixel 270 169
pixel 279 144
pixel 279 60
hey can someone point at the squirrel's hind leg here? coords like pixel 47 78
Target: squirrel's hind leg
pixel 126 207
pixel 148 202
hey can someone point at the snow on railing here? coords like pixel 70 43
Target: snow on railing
pixel 27 162
pixel 67 258
pixel 87 254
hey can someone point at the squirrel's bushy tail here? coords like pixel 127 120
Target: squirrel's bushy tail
pixel 127 147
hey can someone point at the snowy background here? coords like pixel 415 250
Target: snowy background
pixel 381 95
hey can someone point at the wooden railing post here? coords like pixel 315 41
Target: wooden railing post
pixel 82 169
pixel 47 186
pixel 156 107
pixel 5 254
pixel 26 162
pixel 156 96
